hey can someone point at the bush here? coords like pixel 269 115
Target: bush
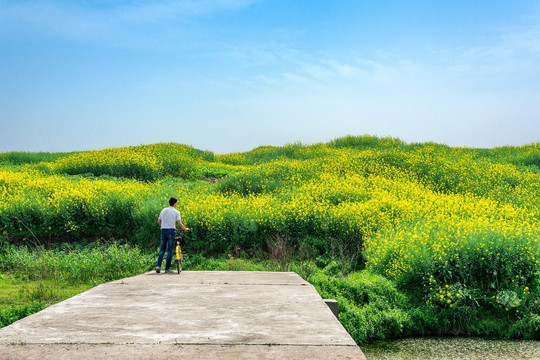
pixel 527 328
pixel 370 306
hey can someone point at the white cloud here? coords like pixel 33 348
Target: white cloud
pixel 511 59
pixel 116 24
pixel 341 69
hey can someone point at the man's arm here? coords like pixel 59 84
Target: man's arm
pixel 159 222
pixel 182 225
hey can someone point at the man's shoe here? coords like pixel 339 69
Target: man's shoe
pixel 169 271
pixel 158 270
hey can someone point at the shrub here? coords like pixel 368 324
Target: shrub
pixel 527 328
pixel 371 308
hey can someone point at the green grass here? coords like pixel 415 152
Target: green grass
pixel 21 296
pixel 450 236
pixel 20 290
pixel 32 279
pixel 92 264
pixel 371 307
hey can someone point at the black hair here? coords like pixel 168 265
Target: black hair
pixel 172 201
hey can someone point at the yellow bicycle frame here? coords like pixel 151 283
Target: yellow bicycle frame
pixel 178 251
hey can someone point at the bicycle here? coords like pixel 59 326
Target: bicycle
pixel 179 240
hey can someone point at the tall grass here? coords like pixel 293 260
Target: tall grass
pixel 42 277
pixel 76 264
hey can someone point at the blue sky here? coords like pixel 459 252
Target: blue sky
pixel 231 75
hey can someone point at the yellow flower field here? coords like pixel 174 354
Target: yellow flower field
pixel 420 214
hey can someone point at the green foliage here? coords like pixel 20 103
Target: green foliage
pixel 246 184
pixel 527 328
pixel 528 155
pixel 371 307
pixel 11 314
pixel 145 163
pixel 367 142
pixel 21 158
pixel 455 231
pixel 266 154
pixel 44 277
pixel 76 264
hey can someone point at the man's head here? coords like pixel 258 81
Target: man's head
pixel 172 201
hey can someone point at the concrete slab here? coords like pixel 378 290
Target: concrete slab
pixel 204 314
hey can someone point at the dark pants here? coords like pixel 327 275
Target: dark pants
pixel 166 243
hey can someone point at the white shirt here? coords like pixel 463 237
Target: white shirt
pixel 169 216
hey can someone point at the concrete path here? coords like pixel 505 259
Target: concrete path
pixel 194 315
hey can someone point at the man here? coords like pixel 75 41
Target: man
pixel 167 221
